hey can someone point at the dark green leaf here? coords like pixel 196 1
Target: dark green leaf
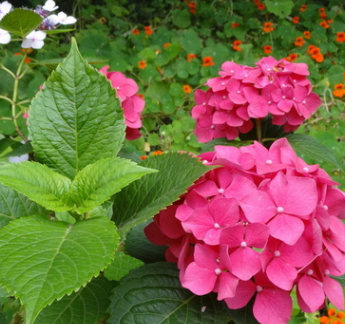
pixel 153 295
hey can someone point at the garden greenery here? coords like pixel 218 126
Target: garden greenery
pixel 111 183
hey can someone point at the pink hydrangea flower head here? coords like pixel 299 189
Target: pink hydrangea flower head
pixel 131 103
pixel 260 225
pixel 241 94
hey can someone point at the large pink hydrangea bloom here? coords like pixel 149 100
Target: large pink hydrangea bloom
pixel 258 226
pixel 242 93
pixel 131 103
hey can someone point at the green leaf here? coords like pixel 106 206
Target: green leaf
pixel 336 74
pixel 43 260
pixel 281 8
pixel 21 22
pixel 38 183
pixel 153 295
pixel 86 306
pixel 181 18
pixel 191 42
pixel 76 119
pixel 312 148
pixel 100 180
pixel 122 265
pixel 145 197
pixel 14 205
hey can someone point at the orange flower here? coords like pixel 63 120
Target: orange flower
pixel 333 317
pixel 299 41
pixel 295 20
pixel 190 57
pixel 318 57
pixel 323 15
pixel 329 21
pixel 187 88
pixel 142 64
pixel 324 24
pixel 207 61
pixel 135 31
pixel 192 10
pixel 144 157
pixel 27 50
pixel 303 7
pixel 340 37
pixel 268 27
pixel 158 152
pixel 17 53
pixel 267 49
pixel 236 45
pixel 261 6
pixel 307 34
pixel 192 5
pixel 257 2
pixel 234 25
pixel 166 45
pixel 141 95
pixel 148 30
pixel 292 57
pixel 314 51
pixel 310 48
pixel 27 60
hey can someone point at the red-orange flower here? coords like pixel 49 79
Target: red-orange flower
pixel 292 57
pixel 339 90
pixel 142 64
pixel 234 25
pixel 340 37
pixel 307 34
pixel 144 157
pixel 267 49
pixel 324 24
pixel 261 6
pixel 166 45
pixel 236 45
pixel 27 60
pixel 187 88
pixel 268 27
pixel 207 61
pixel 135 31
pixel 257 2
pixel 318 57
pixel 148 30
pixel 323 15
pixel 303 7
pixel 192 4
pixel 190 57
pixel 158 152
pixel 295 20
pixel 27 50
pixel 311 48
pixel 299 41
pixel 333 317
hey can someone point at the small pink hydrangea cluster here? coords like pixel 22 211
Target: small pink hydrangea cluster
pixel 131 103
pixel 259 225
pixel 242 93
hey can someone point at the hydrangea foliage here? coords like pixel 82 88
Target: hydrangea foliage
pixel 263 223
pixel 242 93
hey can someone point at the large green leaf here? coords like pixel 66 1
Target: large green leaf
pixel 21 22
pixel 86 306
pixel 312 148
pixel 145 197
pixel 153 295
pixel 38 183
pixel 76 119
pixel 43 260
pixel 281 8
pixel 98 181
pixel 14 205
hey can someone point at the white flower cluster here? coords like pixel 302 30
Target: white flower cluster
pixel 35 39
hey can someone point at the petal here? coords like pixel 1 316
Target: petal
pixel 244 292
pixel 272 306
pixel 281 273
pixel 245 263
pixel 334 291
pixel 311 292
pixel 227 285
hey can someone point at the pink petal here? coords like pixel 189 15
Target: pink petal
pixel 227 285
pixel 245 263
pixel 335 292
pixel 244 292
pixel 272 306
pixel 311 292
pixel 281 273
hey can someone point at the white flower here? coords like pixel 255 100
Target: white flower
pixel 5 36
pixel 65 20
pixel 17 159
pixel 50 5
pixel 5 8
pixel 34 40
